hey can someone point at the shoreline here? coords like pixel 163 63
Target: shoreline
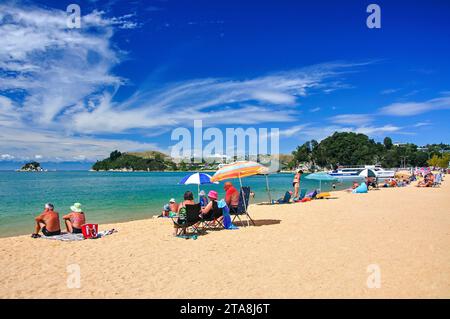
pixel 319 249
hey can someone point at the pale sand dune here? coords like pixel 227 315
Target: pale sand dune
pixel 316 249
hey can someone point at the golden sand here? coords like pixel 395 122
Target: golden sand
pixel 324 248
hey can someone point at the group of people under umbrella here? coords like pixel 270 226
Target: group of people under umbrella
pixel 238 170
pixel 209 204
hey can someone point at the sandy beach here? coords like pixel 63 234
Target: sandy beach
pixel 321 249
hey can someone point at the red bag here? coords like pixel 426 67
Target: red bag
pixel 89 230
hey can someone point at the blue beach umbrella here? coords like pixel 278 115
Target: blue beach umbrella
pixel 321 177
pixel 197 179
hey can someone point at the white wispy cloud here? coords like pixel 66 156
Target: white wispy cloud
pixel 57 88
pixel 319 131
pixel 415 108
pixel 54 66
pixel 389 91
pixel 216 101
pixel 377 130
pixel 25 144
pixel 420 124
pixel 6 157
pixel 354 119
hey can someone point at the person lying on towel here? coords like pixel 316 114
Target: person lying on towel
pixel 48 222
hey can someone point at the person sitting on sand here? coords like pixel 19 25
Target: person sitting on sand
pixel 428 181
pixel 48 222
pixel 75 219
pixel 231 196
pixel 173 205
pixel 166 211
pixel 354 186
pixel 169 209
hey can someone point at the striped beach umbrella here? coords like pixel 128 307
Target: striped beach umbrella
pixel 367 173
pixel 196 179
pixel 239 170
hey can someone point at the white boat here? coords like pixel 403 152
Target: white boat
pixel 353 172
pixel 382 173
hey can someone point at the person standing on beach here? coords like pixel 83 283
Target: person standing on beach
pixel 48 222
pixel 296 182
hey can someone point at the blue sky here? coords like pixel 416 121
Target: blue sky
pixel 135 71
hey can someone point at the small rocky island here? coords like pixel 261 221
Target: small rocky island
pixel 31 167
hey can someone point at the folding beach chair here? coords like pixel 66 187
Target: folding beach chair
pixel 285 200
pixel 242 208
pixel 211 220
pixel 191 220
pixel 437 180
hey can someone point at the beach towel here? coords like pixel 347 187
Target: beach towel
pixel 78 237
pixel 312 194
pixel 227 224
pixel 323 195
pixel 360 189
pixel 65 237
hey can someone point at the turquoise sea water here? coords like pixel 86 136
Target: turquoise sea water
pixel 110 196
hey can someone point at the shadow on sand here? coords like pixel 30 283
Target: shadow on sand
pixel 258 223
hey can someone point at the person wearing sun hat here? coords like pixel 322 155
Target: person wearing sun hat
pixel 212 205
pixel 170 208
pixel 75 219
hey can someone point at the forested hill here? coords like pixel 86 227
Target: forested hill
pixel 341 148
pixel 348 148
pixel 147 161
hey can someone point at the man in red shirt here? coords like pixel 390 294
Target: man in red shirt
pixel 231 196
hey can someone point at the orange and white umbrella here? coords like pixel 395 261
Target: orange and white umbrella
pixel 239 170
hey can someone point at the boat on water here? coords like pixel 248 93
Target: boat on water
pixel 354 172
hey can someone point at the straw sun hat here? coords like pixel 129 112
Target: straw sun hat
pixel 76 208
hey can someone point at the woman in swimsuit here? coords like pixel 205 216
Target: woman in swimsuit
pixel 75 219
pixel 296 183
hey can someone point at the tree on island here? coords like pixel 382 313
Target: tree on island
pixel 31 167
